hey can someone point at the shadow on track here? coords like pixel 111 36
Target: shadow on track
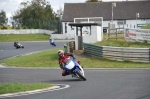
pixel 63 80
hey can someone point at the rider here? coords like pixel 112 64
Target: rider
pixel 16 43
pixel 51 41
pixel 62 57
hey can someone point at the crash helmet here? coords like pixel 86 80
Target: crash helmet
pixel 60 53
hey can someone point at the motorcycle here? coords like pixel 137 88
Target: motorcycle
pixel 73 68
pixel 52 42
pixel 18 45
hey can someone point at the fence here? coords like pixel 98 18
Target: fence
pixel 92 50
pixel 69 47
pixel 63 36
pixel 27 31
pixel 118 53
pixel 114 33
pixel 72 46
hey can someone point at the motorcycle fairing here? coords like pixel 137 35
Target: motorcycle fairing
pixel 72 66
pixel 77 69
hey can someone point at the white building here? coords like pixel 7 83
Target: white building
pixel 133 14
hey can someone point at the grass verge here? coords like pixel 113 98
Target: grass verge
pixel 19 87
pixel 146 27
pixel 49 59
pixel 42 59
pixel 121 42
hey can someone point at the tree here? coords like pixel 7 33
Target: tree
pixel 34 14
pixel 93 0
pixel 3 18
pixel 59 13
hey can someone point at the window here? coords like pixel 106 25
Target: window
pixel 65 27
pixel 121 22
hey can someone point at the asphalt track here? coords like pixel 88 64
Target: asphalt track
pixel 100 84
pixel 7 49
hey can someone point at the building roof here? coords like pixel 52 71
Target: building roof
pixel 123 11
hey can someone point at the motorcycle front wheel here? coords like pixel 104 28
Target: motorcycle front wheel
pixel 81 76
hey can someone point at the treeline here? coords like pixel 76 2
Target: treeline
pixel 35 14
pixel 39 24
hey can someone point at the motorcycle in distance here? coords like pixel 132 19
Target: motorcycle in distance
pixel 71 66
pixel 52 42
pixel 18 45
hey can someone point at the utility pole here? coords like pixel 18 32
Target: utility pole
pixel 137 16
pixel 113 5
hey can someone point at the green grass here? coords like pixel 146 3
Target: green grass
pixel 49 59
pixel 42 59
pixel 20 87
pixel 23 37
pixel 105 63
pixel 146 27
pixel 121 42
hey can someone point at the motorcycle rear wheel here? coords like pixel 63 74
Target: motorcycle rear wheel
pixel 81 76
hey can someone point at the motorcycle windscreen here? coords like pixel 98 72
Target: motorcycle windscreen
pixel 70 65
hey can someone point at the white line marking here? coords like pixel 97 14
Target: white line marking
pixel 57 87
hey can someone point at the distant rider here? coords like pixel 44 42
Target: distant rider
pixel 52 41
pixel 62 57
pixel 15 43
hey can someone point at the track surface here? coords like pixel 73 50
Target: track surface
pixel 100 84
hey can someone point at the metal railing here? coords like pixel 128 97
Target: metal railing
pixel 93 50
pixel 118 53
pixel 113 53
